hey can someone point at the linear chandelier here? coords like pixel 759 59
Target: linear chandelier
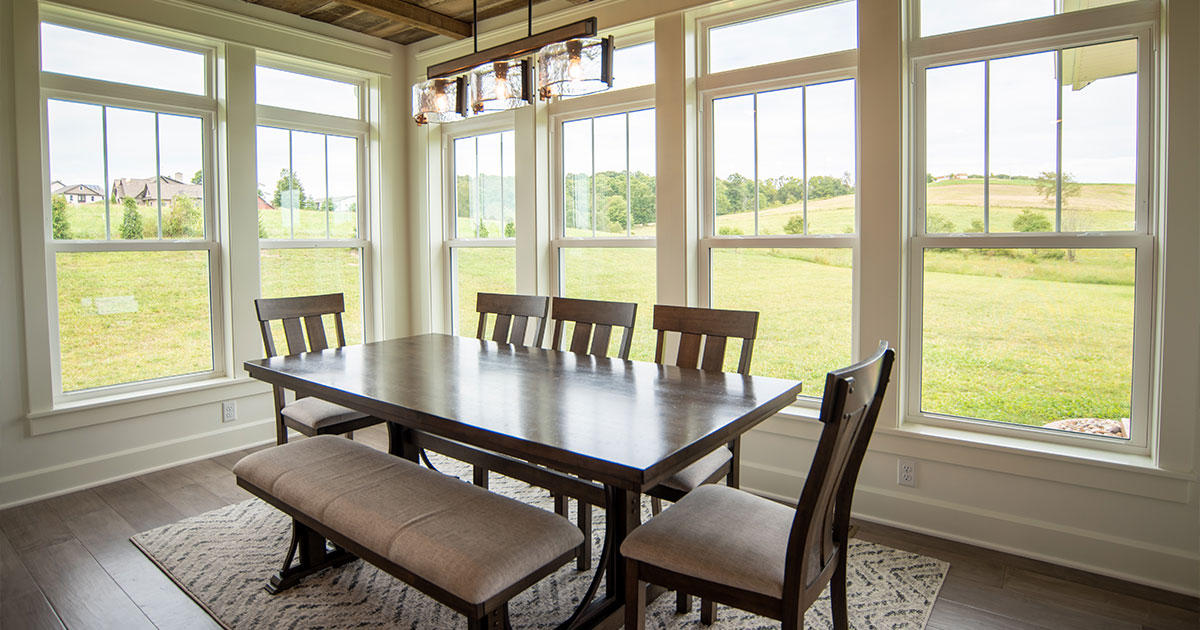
pixel 571 61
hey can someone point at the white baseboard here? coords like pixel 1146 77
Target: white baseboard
pixel 52 481
pixel 1129 559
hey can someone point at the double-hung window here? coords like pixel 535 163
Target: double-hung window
pixel 1031 267
pixel 779 187
pixel 313 203
pixel 604 188
pixel 131 233
pixel 480 219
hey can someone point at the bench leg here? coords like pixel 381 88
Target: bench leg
pixel 583 561
pixel 495 620
pixel 314 556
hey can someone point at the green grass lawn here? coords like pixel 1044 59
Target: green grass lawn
pixel 87 222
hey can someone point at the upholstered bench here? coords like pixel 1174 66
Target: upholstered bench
pixel 464 546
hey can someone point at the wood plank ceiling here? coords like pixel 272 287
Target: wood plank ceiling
pixel 400 21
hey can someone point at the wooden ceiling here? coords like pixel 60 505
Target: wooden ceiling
pixel 400 21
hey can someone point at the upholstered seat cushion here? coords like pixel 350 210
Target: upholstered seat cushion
pixel 691 477
pixel 466 540
pixel 318 414
pixel 705 535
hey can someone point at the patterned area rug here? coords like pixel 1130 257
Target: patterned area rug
pixel 222 559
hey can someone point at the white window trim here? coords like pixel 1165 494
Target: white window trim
pixel 747 11
pixel 1095 26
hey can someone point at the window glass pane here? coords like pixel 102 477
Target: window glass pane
pixel 830 148
pixel 508 182
pixel 1040 337
pixel 1099 128
pixel 77 185
pixel 826 28
pixel 946 16
pixel 343 186
pixel 780 162
pixel 797 338
pixel 1022 148
pixel 733 164
pixel 616 274
pixel 610 175
pixel 954 153
pixel 491 187
pixel 276 203
pixel 480 270
pixel 642 181
pixel 485 186
pixel 308 190
pixel 464 187
pixel 633 66
pixel 181 163
pixel 280 88
pixel 132 173
pixel 132 316
pixel 312 271
pixel 107 58
pixel 577 177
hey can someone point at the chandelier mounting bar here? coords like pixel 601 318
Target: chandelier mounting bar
pixel 524 46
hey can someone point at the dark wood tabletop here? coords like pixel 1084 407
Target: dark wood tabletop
pixel 625 423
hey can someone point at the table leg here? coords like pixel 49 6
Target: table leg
pixel 623 513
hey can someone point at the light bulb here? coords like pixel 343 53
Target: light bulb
pixel 575 69
pixel 441 102
pixel 502 91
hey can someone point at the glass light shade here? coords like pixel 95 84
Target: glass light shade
pixel 575 67
pixel 440 100
pixel 500 85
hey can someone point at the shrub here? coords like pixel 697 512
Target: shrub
pixel 730 231
pixel 510 230
pixel 131 221
pixel 1032 221
pixel 482 229
pixel 935 223
pixel 794 225
pixel 976 225
pixel 262 230
pixel 181 219
pixel 60 224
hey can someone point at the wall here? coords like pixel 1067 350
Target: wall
pixel 65 449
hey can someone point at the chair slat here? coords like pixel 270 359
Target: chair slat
pixel 600 339
pixel 580 336
pixel 268 338
pixel 316 333
pixel 293 332
pixel 689 350
pixel 714 353
pixel 520 324
pixel 500 332
pixel 293 307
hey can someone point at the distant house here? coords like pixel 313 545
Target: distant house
pixel 344 204
pixel 147 191
pixel 78 193
pixel 263 204
pixel 56 187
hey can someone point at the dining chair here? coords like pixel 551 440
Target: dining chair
pixel 594 321
pixel 303 324
pixel 512 316
pixel 739 549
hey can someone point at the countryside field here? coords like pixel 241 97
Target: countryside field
pixel 1014 336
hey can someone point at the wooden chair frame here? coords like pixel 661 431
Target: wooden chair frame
pixel 819 536
pixel 594 322
pixel 513 313
pixel 304 331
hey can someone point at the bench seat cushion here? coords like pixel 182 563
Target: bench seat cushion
pixel 466 540
pixel 318 414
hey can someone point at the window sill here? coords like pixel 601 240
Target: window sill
pixel 100 410
pixel 1126 473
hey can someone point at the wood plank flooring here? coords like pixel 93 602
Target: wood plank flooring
pixel 67 562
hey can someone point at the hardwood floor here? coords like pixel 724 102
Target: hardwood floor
pixel 67 562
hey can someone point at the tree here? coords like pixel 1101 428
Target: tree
pixel 182 218
pixel 1046 185
pixel 614 208
pixel 131 221
pixel 198 178
pixel 794 225
pixel 60 225
pixel 936 223
pixel 642 198
pixel 289 192
pixel 824 186
pixel 1032 221
pixel 510 230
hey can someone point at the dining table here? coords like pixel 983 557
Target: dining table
pixel 617 425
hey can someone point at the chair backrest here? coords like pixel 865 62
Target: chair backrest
pixel 710 326
pixel 513 313
pixel 291 311
pixel 848 411
pixel 594 321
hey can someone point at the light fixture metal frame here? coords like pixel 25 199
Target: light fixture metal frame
pixel 514 49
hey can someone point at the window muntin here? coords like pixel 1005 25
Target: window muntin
pixel 1059 155
pixel 1032 266
pixel 783 161
pixel 948 16
pixel 826 28
pixel 308 184
pixel 609 175
pixel 485 186
pixel 90 55
pixel 306 93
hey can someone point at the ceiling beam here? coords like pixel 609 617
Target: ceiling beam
pixel 413 15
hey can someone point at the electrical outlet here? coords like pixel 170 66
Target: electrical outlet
pixel 906 472
pixel 229 411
